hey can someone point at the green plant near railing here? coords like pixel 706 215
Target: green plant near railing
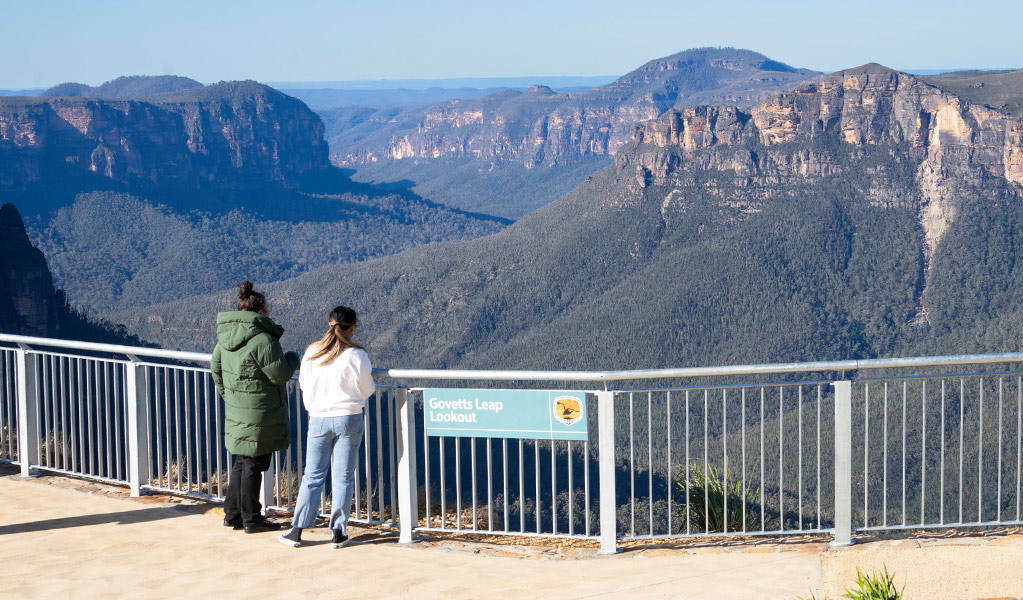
pixel 872 586
pixel 704 505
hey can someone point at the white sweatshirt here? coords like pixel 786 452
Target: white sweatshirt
pixel 339 387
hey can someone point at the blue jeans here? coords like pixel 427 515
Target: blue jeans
pixel 333 442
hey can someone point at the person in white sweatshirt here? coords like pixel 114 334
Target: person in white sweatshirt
pixel 336 379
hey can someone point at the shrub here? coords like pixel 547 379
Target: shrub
pixel 705 501
pixel 874 586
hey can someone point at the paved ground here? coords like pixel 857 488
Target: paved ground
pixel 67 538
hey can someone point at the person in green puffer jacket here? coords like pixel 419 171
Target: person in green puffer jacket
pixel 251 370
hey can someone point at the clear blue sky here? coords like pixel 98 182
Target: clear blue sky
pixel 45 42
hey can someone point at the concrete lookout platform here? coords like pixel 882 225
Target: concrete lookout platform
pixel 63 537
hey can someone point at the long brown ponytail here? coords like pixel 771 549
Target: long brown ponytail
pixel 336 340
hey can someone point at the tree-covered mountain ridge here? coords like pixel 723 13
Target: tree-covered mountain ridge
pixel 131 86
pixel 511 152
pixel 951 140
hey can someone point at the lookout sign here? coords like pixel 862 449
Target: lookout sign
pixel 522 414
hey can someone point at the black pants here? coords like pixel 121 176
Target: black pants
pixel 241 502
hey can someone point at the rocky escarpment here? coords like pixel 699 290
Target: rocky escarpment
pixel 538 126
pixel 27 300
pixel 806 134
pixel 225 134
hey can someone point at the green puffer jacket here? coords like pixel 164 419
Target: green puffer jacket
pixel 250 371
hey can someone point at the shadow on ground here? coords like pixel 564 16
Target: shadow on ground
pixel 127 517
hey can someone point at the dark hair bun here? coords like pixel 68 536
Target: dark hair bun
pixel 249 299
pixel 343 316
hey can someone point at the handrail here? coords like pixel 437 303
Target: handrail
pixel 130 351
pixel 690 372
pixel 581 376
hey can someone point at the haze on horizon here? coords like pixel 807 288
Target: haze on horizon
pixel 49 43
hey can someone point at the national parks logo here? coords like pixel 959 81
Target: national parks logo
pixel 567 409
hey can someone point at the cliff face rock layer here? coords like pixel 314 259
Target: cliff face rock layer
pixel 949 143
pixel 227 133
pixel 538 126
pixel 27 300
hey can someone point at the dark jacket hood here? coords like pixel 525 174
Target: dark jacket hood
pixel 236 328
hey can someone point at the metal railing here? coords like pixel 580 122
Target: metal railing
pixel 938 451
pixel 903 449
pixel 151 419
pixel 728 460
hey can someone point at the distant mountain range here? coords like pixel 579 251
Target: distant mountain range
pixel 327 99
pixel 537 139
pixel 538 126
pixel 181 192
pixel 860 213
pixel 22 92
pixel 554 81
pixel 863 214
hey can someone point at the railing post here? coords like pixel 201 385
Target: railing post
pixel 28 411
pixel 269 487
pixel 137 398
pixel 606 457
pixel 843 464
pixel 408 482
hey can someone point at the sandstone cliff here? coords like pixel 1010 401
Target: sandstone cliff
pixel 952 144
pixel 538 126
pixel 27 302
pixel 225 134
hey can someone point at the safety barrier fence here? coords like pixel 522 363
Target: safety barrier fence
pixel 898 446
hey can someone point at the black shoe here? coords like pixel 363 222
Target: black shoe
pixel 262 526
pixel 293 538
pixel 338 539
pixel 236 525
